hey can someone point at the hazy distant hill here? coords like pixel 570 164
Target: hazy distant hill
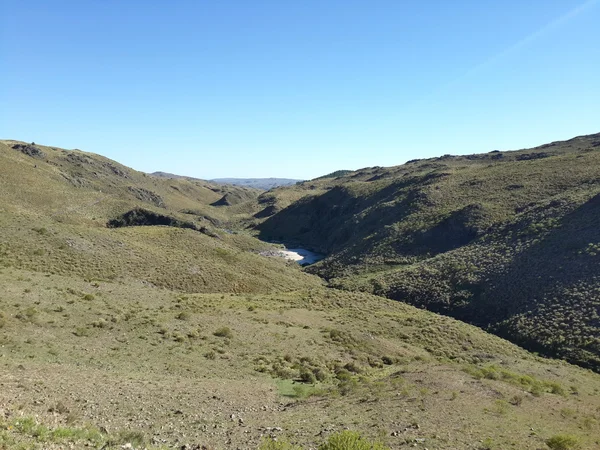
pixel 172 175
pixel 257 183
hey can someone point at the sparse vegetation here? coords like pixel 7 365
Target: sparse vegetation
pixel 350 440
pixel 162 337
pixel 224 332
pixel 503 240
pixel 562 442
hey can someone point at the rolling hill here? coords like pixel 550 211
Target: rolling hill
pixel 56 206
pixel 504 240
pixel 137 312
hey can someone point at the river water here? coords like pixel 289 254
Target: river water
pixel 300 255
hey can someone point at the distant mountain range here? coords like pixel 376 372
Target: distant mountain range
pixel 172 175
pixel 256 183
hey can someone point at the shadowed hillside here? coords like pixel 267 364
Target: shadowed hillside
pixel 505 240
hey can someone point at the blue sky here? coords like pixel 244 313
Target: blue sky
pixel 296 89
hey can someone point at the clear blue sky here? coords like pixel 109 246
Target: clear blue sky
pixel 296 89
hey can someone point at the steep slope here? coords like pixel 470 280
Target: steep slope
pixel 504 240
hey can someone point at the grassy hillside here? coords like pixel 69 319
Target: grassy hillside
pixel 131 314
pixel 80 187
pixel 109 363
pixel 505 240
pixel 56 206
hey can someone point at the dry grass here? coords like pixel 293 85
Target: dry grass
pixel 165 337
pixel 126 357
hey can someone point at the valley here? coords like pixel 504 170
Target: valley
pixel 139 311
pixel 504 240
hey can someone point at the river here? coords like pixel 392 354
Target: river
pixel 300 255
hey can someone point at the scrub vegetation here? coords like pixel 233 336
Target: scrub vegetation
pixel 155 334
pixel 507 241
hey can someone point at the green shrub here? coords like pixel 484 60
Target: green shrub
pixel 81 332
pixel 556 388
pixel 306 376
pixel 183 315
pixel 136 438
pixel 224 332
pixel 562 442
pixel 271 444
pixel 516 400
pixel 350 440
pixel 299 391
pixel 487 444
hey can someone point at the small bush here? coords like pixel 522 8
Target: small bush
pixel 81 332
pixel 350 440
pixel 387 360
pixel 183 315
pixel 299 391
pixel 557 389
pixel 320 374
pixel 136 438
pixel 487 444
pixel 562 442
pixel 500 407
pixel 224 332
pixel 306 376
pixel 271 444
pixel 516 400
pixel 353 367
